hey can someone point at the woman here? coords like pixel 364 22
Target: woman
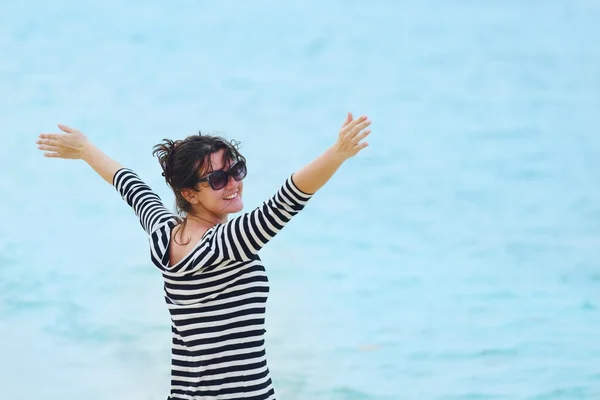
pixel 215 284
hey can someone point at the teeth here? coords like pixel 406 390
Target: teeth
pixel 231 196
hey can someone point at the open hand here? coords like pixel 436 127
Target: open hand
pixel 68 145
pixel 351 134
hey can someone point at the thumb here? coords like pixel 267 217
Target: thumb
pixel 348 119
pixel 67 129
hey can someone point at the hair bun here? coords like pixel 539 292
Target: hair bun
pixel 164 152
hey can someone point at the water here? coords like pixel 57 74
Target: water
pixel 454 259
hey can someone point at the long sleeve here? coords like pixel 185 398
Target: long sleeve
pixel 146 204
pixel 242 237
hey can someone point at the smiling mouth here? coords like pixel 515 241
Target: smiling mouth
pixel 232 196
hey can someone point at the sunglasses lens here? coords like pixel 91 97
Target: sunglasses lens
pixel 238 171
pixel 218 180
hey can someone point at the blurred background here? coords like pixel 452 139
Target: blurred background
pixel 456 258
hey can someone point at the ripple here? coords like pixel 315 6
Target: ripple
pixel 316 47
pixel 568 393
pixel 466 355
pixel 588 306
pixel 473 396
pixel 347 393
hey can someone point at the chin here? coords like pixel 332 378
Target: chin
pixel 238 207
pixel 235 206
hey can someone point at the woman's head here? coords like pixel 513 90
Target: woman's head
pixel 205 174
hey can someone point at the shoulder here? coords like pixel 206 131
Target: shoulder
pixel 166 226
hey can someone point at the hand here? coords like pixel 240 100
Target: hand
pixel 352 132
pixel 70 145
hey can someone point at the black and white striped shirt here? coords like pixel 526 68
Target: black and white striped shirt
pixel 216 295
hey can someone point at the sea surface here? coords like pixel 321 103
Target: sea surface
pixel 456 258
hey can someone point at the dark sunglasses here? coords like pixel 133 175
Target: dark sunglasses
pixel 218 179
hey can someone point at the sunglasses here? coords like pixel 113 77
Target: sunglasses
pixel 218 179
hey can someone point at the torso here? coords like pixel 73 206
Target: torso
pixel 216 289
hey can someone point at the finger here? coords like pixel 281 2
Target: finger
pixel 49 135
pixel 361 146
pixel 352 133
pixel 67 129
pixel 52 155
pixel 360 136
pixel 46 147
pixel 352 124
pixel 348 119
pixel 52 141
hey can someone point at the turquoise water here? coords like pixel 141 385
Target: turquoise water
pixel 454 259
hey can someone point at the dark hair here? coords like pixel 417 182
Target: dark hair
pixel 182 160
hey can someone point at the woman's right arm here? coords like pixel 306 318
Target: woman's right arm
pixel 105 166
pixel 74 145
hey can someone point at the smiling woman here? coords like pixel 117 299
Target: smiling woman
pixel 215 284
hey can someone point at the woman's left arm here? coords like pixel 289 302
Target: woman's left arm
pixel 242 237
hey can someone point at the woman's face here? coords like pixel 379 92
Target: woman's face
pixel 222 201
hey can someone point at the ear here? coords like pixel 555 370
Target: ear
pixel 189 195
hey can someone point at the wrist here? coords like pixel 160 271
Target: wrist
pixel 87 152
pixel 335 155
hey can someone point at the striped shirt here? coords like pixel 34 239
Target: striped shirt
pixel 216 294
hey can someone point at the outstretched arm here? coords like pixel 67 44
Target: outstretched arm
pixel 75 145
pixel 315 174
pixel 244 236
pixel 72 144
